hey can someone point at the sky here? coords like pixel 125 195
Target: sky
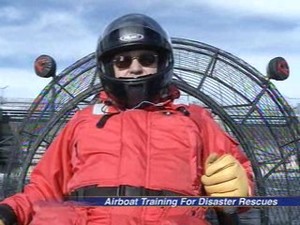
pixel 255 31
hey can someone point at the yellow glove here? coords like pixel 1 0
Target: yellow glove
pixel 224 176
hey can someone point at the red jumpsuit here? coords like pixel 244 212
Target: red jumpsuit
pixel 155 149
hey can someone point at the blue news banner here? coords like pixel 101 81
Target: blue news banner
pixel 192 201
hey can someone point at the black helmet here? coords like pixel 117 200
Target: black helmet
pixel 130 32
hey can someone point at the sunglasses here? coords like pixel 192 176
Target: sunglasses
pixel 145 59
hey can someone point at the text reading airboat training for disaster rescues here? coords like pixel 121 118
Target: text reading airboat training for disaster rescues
pixel 192 201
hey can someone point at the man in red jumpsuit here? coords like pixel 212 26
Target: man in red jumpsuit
pixel 134 142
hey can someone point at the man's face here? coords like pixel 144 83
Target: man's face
pixel 136 63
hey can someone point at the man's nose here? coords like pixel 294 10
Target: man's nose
pixel 135 67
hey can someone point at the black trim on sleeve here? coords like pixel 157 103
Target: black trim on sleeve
pixel 7 215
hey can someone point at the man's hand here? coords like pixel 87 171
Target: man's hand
pixel 1 222
pixel 224 176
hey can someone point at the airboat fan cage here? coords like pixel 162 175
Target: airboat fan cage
pixel 243 101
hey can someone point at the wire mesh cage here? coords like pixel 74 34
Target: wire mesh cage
pixel 247 105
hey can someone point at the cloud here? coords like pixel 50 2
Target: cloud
pixel 288 9
pixel 57 33
pixel 10 13
pixel 20 83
